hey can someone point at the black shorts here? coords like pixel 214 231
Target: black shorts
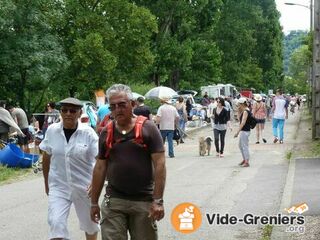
pixel 261 121
pixel 24 140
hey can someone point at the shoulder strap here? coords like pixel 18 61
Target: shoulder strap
pixel 138 129
pixel 109 138
pixel 137 133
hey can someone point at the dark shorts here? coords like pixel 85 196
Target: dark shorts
pixel 261 121
pixel 24 140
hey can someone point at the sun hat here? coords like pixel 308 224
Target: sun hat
pixel 165 99
pixel 258 97
pixel 71 101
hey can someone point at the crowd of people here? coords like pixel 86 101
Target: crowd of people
pixel 78 160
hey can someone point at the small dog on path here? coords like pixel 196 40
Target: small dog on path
pixel 205 145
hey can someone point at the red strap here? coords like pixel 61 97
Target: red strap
pixel 103 123
pixel 138 129
pixel 109 138
pixel 137 133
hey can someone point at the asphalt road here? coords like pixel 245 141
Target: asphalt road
pixel 215 185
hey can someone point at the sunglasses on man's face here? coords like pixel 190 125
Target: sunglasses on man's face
pixel 120 105
pixel 70 110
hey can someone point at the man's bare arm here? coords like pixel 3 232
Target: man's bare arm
pixel 46 158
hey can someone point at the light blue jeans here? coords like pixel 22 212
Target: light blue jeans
pixel 278 123
pixel 168 134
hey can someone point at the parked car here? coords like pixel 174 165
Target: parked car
pixel 89 113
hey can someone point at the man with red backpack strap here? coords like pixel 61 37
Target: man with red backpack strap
pixel 131 155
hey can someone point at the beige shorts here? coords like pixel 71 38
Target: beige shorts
pixel 120 217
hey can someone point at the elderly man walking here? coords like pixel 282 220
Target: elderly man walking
pixel 131 156
pixel 69 155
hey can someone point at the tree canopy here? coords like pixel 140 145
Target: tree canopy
pixel 53 49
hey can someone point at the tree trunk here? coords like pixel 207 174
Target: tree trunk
pixel 21 88
pixel 175 78
pixel 156 79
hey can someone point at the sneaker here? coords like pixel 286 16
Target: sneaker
pixel 275 140
pixel 221 155
pixel 218 154
pixel 264 140
pixel 281 142
pixel 172 156
pixel 243 161
pixel 257 142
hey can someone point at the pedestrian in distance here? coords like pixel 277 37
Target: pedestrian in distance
pixel 259 112
pixel 280 113
pixel 220 118
pixel 102 112
pixel 244 131
pixel 167 118
pixel 142 109
pixel 52 115
pixel 20 117
pixel 183 117
pixel 6 121
pixel 69 151
pixel 131 156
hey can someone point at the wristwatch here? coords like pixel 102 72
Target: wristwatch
pixel 158 201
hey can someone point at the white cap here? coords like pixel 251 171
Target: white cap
pixel 242 100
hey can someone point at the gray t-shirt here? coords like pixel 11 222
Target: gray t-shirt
pixel 21 117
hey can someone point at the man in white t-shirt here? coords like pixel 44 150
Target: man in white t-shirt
pixel 280 113
pixel 167 118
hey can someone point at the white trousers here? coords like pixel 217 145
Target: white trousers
pixel 58 212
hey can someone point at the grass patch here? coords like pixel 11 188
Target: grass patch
pixel 315 148
pixel 266 232
pixel 7 174
pixel 312 150
pixel 288 155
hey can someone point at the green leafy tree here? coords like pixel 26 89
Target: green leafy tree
pixel 31 56
pixel 185 52
pixel 297 81
pixel 249 35
pixel 106 41
pixel 291 42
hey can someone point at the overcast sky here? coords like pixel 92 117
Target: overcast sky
pixel 294 17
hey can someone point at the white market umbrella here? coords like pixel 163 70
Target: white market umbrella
pixel 136 96
pixel 160 92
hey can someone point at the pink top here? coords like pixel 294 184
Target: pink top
pixel 259 110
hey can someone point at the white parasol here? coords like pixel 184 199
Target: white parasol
pixel 136 96
pixel 160 92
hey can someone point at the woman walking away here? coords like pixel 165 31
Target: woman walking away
pixel 244 131
pixel 220 118
pixel 259 112
pixel 181 108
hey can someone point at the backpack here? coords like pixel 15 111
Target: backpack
pixel 252 120
pixel 138 138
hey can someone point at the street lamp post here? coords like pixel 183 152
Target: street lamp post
pixel 316 74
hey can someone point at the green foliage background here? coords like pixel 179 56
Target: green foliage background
pixel 54 49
